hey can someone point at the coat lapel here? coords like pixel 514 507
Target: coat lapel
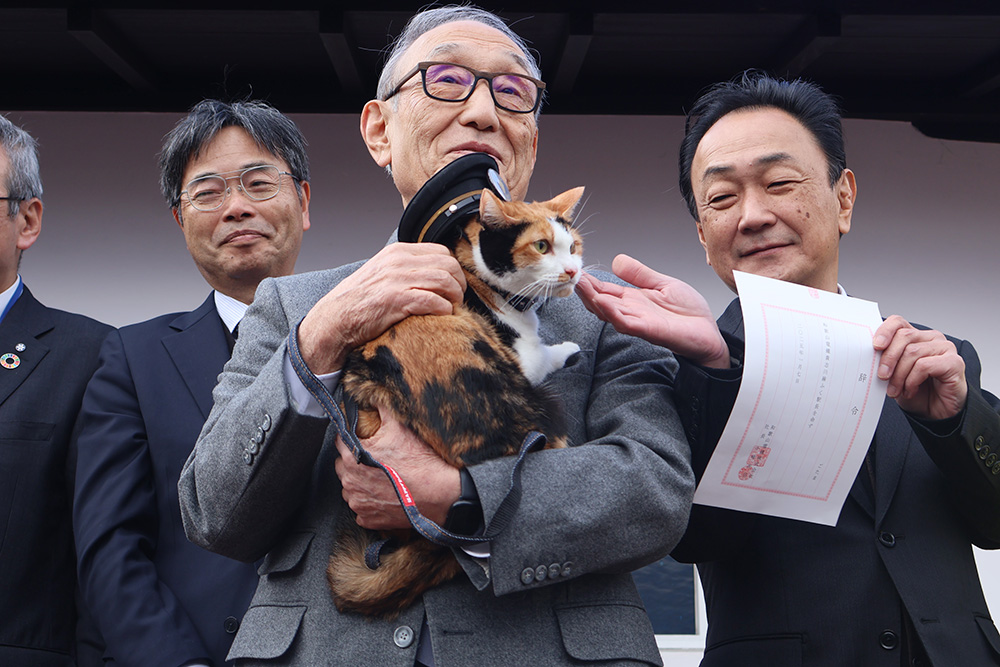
pixel 24 324
pixel 893 440
pixel 197 345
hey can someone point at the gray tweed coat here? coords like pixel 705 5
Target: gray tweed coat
pixel 556 588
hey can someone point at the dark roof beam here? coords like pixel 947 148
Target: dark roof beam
pixel 340 44
pixel 982 80
pixel 576 44
pixel 93 29
pixel 817 34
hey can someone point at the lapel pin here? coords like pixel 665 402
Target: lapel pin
pixel 20 347
pixel 10 360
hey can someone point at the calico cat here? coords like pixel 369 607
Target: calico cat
pixel 468 384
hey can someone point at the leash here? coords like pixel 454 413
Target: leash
pixel 346 425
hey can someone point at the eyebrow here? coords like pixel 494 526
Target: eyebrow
pixel 246 165
pixel 773 158
pixel 447 48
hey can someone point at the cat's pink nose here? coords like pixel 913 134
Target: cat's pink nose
pixel 570 271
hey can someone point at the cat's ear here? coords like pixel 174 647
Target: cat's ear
pixel 491 210
pixel 565 204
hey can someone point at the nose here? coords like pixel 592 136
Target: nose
pixel 237 205
pixel 479 110
pixel 755 212
pixel 570 271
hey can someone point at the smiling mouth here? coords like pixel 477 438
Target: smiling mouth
pixel 242 235
pixel 477 148
pixel 763 250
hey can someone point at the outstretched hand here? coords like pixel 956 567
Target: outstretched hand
pixel 434 483
pixel 926 373
pixel 659 309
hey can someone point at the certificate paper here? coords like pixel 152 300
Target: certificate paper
pixel 807 407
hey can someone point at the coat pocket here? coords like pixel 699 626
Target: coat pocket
pixel 990 632
pixel 784 650
pixel 287 555
pixel 266 632
pixel 607 631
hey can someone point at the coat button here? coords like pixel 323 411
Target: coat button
pixel 996 469
pixel 527 575
pixel 258 437
pixel 247 457
pixel 266 422
pixel 567 568
pixel 253 447
pixel 991 460
pixel 403 636
pixel 541 572
pixel 984 452
pixel 980 441
pixel 231 625
pixel 888 640
pixel 554 570
pixel 887 539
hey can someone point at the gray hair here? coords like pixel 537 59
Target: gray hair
pixel 427 20
pixel 267 126
pixel 23 180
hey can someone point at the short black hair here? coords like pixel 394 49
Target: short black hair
pixel 267 126
pixel 805 101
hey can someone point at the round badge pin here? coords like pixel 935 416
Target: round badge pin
pixel 10 360
pixel 20 347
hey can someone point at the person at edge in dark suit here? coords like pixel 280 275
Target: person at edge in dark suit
pixel 554 587
pixel 763 170
pixel 46 358
pixel 236 177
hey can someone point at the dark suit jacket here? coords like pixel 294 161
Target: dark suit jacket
pixel 157 598
pixel 39 399
pixel 783 592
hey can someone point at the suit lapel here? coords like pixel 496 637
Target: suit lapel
pixel 23 325
pixel 197 346
pixel 893 440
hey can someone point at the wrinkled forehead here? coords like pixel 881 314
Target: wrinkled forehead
pixel 467 43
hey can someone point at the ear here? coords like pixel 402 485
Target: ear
pixel 29 223
pixel 375 131
pixel 847 194
pixel 565 204
pixel 304 201
pixel 491 210
pixel 704 244
pixel 177 217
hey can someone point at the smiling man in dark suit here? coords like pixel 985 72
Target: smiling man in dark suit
pixel 46 358
pixel 236 177
pixel 894 583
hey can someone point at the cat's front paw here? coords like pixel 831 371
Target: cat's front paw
pixel 558 354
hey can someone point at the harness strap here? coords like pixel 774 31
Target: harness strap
pixel 346 424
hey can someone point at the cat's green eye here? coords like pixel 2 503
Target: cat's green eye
pixel 542 246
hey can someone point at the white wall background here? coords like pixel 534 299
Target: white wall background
pixel 924 241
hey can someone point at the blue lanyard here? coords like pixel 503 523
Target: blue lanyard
pixel 17 293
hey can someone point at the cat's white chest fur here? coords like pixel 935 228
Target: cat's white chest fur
pixel 536 358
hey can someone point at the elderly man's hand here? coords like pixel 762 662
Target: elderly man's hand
pixel 403 279
pixel 660 309
pixel 434 484
pixel 925 372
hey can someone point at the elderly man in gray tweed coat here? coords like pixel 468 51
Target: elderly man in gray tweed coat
pixel 268 477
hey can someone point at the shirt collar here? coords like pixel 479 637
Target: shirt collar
pixel 230 310
pixel 8 294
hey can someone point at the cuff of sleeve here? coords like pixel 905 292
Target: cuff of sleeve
pixel 302 401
